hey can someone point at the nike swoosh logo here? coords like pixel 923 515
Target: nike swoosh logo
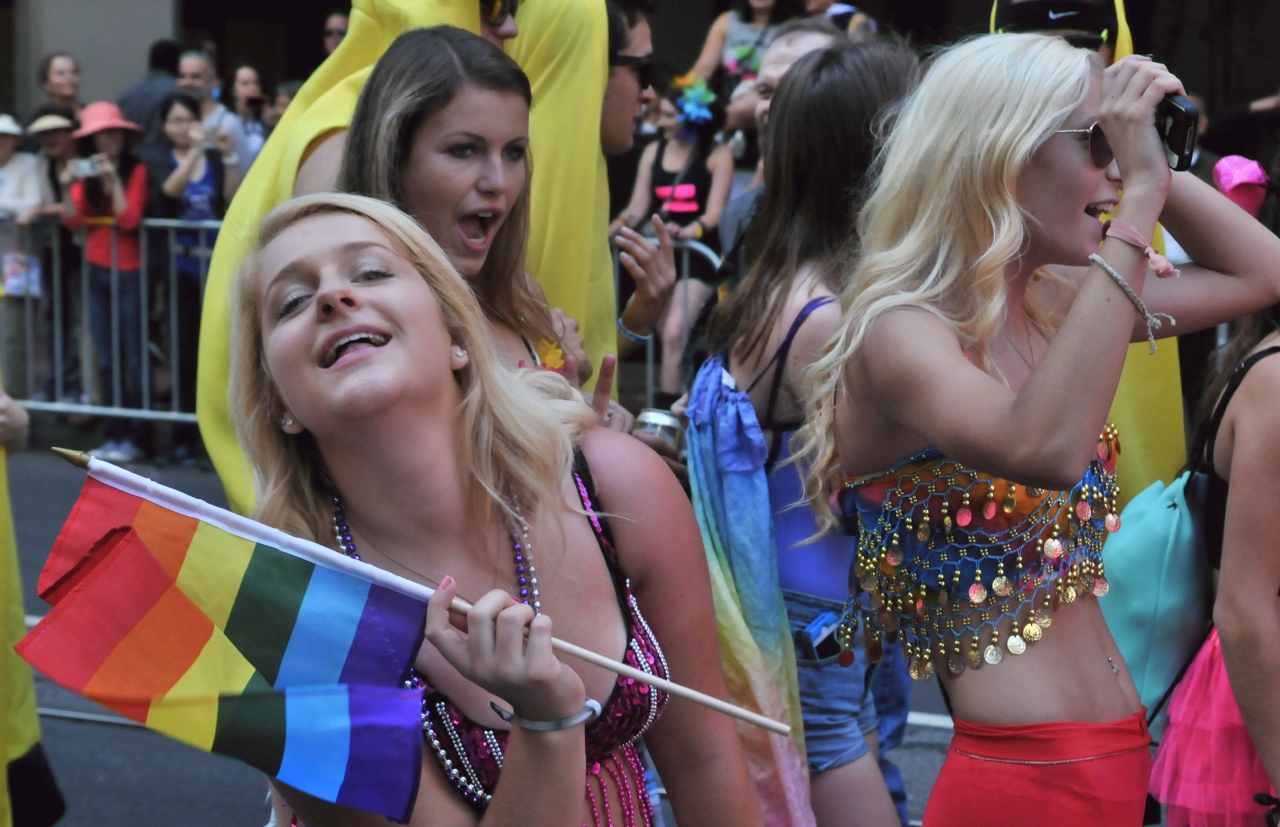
pixel 1061 14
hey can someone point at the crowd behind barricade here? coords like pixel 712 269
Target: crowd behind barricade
pixel 889 303
pixel 180 140
pixel 86 188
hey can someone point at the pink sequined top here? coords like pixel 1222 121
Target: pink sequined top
pixel 470 755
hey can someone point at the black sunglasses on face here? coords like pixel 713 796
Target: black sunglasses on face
pixel 643 66
pixel 1091 42
pixel 494 12
pixel 335 32
pixel 1099 149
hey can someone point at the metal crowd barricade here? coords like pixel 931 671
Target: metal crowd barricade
pixel 111 400
pixel 686 252
pixel 46 319
pixel 23 264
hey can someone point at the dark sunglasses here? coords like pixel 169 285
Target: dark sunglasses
pixel 1084 40
pixel 1099 149
pixel 644 67
pixel 334 32
pixel 494 12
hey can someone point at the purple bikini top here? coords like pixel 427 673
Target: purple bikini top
pixel 470 755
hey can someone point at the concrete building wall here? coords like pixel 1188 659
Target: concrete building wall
pixel 7 39
pixel 110 38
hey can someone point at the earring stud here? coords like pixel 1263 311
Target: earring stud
pixel 459 352
pixel 286 421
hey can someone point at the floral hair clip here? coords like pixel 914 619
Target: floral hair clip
pixel 694 100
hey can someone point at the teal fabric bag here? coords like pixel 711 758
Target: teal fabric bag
pixel 1161 600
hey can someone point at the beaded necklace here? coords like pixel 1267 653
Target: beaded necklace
pixel 526 574
pixel 471 756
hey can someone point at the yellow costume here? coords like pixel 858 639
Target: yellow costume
pixel 1148 404
pixel 18 704
pixel 40 801
pixel 563 49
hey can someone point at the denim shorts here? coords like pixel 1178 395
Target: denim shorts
pixel 835 700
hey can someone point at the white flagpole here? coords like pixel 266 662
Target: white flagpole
pixel 242 527
pixel 256 532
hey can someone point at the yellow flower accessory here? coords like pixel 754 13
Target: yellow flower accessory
pixel 550 354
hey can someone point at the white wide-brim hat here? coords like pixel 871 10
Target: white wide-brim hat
pixel 8 126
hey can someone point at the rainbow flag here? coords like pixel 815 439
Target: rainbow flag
pixel 237 639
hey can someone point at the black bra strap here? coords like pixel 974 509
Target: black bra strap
pixel 600 526
pixel 780 357
pixel 1220 410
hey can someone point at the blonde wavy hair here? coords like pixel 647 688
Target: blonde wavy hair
pixel 522 426
pixel 942 223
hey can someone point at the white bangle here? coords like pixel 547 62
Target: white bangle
pixel 1152 319
pixel 587 713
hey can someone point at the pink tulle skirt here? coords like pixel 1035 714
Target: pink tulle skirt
pixel 1207 770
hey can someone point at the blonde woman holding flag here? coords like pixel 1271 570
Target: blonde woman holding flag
pixel 380 420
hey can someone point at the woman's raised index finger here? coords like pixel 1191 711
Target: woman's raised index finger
pixel 664 234
pixel 604 387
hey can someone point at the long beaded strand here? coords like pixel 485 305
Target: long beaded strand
pixel 340 531
pixel 526 574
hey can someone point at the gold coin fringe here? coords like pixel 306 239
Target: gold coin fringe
pixel 943 564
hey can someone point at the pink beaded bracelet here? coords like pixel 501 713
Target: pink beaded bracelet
pixel 1126 232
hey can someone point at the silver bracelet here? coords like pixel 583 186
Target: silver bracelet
pixel 1152 319
pixel 588 713
pixel 631 335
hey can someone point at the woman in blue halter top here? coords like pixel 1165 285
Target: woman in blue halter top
pixel 959 412
pixel 763 336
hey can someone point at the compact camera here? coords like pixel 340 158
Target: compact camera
pixel 85 167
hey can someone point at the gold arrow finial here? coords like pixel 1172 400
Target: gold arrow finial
pixel 79 459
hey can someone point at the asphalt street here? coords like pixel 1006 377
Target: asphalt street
pixel 114 775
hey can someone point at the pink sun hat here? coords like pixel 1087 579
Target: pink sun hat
pixel 1243 180
pixel 102 115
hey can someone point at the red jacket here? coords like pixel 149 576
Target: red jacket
pixel 98 244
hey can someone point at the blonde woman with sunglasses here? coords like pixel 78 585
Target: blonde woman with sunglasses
pixel 959 414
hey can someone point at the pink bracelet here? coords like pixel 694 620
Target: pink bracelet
pixel 1126 232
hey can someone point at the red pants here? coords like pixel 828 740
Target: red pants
pixel 1060 774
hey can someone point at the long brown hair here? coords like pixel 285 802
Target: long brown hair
pixel 419 75
pixel 1245 335
pixel 819 146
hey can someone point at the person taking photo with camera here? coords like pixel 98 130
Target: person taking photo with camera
pixel 959 414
